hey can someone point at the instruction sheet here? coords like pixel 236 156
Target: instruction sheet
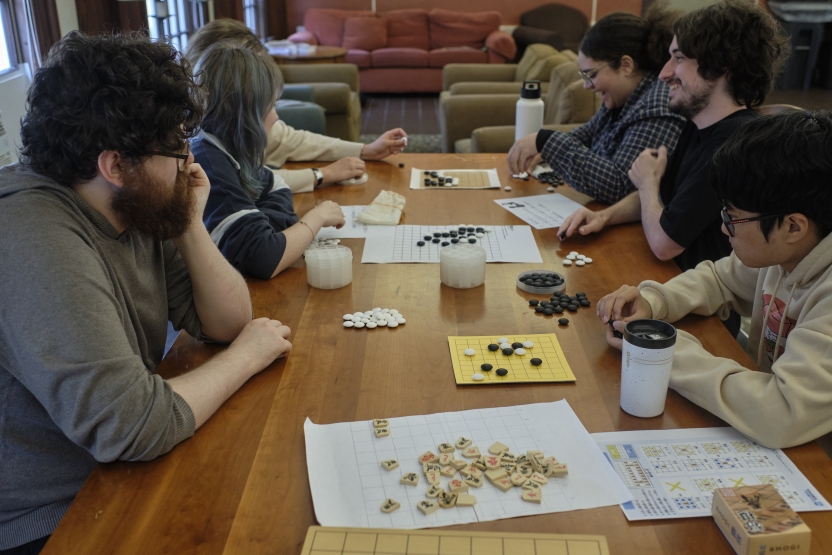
pixel 540 211
pixel 400 244
pixel 673 473
pixel 349 484
pixel 351 230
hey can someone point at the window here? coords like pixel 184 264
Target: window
pixel 176 19
pixel 254 17
pixel 8 57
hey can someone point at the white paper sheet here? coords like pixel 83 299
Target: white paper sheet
pixel 348 484
pixel 540 211
pixel 469 179
pixel 672 473
pixel 387 245
pixel 351 230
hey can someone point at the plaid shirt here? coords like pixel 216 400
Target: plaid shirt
pixel 595 158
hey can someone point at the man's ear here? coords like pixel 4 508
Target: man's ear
pixel 798 227
pixel 111 167
pixel 627 65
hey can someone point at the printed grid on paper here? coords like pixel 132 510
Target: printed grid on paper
pixel 412 436
pixel 520 370
pixel 406 249
pixel 468 179
pixel 341 541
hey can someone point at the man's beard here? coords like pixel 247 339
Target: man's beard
pixel 690 105
pixel 152 207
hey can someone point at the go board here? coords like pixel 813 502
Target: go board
pixel 468 179
pixel 554 367
pixel 322 540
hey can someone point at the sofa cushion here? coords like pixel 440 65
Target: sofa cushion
pixel 407 28
pixel 361 58
pixel 364 33
pixel 399 57
pixel 442 56
pixel 449 28
pixel 559 110
pixel 533 61
pixel 328 25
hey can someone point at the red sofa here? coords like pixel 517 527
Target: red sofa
pixel 405 50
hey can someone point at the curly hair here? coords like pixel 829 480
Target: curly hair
pixel 106 92
pixel 737 39
pixel 222 29
pixel 646 40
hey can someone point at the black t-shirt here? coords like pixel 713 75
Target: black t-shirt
pixel 691 215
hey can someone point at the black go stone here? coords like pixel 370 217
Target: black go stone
pixel 572 307
pixel 420 243
pixel 480 230
pixel 433 174
pixel 536 362
pixel 445 243
pixel 486 367
pixel 493 347
pixel 508 351
pixel 563 321
pixel 437 234
pixel 564 304
pixel 580 294
pixel 501 371
pixel 539 308
pixel 401 165
pixel 558 309
pixel 427 237
pixel 436 239
pixel 446 234
pixel 472 240
pixel 584 302
pixel 534 302
pixel 471 229
pixel 454 240
pixel 517 345
pixel 462 230
pixel 427 172
pixel 549 311
pixel 454 233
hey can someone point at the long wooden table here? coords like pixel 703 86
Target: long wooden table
pixel 240 485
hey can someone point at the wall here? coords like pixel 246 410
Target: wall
pixel 67 16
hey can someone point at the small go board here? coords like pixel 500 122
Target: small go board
pixel 321 540
pixel 468 179
pixel 554 367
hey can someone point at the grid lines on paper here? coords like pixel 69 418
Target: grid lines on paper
pixel 405 248
pixel 412 436
pixel 468 179
pixel 340 541
pixel 554 367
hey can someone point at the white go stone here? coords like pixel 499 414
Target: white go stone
pixel 480 235
pixel 520 352
pixel 400 320
pixel 470 352
pixel 588 260
pixel 355 319
pixel 550 189
pixel 489 229
pixel 575 253
pixel 502 340
pixel 368 313
pixel 376 310
pixel 572 257
pixel 567 262
pixel 579 263
pixel 347 316
pixel 348 324
pixel 392 324
pixel 505 345
pixel 382 323
pixel 478 377
pixel 359 324
pixel 385 310
pixel 365 320
pixel 528 344
pixel 507 188
pixel 394 311
pixel 371 325
pixel 581 257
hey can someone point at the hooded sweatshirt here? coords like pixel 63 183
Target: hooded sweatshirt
pixel 788 401
pixel 83 322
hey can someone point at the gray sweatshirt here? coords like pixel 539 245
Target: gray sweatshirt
pixel 83 321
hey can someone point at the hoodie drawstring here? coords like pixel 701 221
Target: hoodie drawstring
pixel 782 322
pixel 765 319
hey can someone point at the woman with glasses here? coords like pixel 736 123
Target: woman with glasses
pixel 620 58
pixel 250 213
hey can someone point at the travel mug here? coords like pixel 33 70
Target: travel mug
pixel 646 358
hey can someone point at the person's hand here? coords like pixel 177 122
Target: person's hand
pixel 391 142
pixel 198 181
pixel 261 342
pixel 522 155
pixel 343 169
pixel 622 306
pixel 328 214
pixel 648 169
pixel 582 220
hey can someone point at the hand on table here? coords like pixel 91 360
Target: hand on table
pixel 343 169
pixel 328 214
pixel 582 220
pixel 623 305
pixel 262 341
pixel 523 154
pixel 648 169
pixel 391 142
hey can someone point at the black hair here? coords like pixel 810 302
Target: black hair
pixel 646 40
pixel 106 92
pixel 737 39
pixel 780 164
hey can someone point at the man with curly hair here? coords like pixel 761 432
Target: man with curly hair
pixel 102 245
pixel 724 60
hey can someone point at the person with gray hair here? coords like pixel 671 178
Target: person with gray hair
pixel 249 212
pixel 287 144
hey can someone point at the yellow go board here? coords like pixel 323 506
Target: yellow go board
pixel 554 367
pixel 321 540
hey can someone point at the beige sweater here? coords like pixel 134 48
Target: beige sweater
pixel 789 401
pixel 287 144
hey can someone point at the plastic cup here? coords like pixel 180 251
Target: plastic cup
pixel 462 266
pixel 329 267
pixel 646 359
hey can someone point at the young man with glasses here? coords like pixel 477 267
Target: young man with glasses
pixel 103 244
pixel 773 177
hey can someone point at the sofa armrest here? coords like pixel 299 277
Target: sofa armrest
pixel 303 37
pixel 459 73
pixel 492 88
pixel 332 97
pixel 304 93
pixel 460 115
pixel 322 73
pixel 502 46
pixel 501 138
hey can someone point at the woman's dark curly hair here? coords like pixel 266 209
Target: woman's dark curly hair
pixel 106 92
pixel 737 39
pixel 646 40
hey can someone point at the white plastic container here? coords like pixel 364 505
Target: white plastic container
pixel 529 115
pixel 646 358
pixel 329 267
pixel 462 266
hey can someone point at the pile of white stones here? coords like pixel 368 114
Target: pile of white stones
pixel 377 317
pixel 578 258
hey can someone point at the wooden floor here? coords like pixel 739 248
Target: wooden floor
pixel 418 114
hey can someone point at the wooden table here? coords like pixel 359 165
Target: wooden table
pixel 322 55
pixel 240 486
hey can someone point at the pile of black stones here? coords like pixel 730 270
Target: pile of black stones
pixel 559 302
pixel 550 178
pixel 542 279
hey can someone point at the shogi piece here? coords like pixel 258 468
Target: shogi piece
pixel 474 481
pixel 530 484
pixel 517 479
pixel 428 457
pixel 447 500
pixel 427 507
pixel 479 462
pixel 434 491
pixel 448 471
pixel 465 500
pixel 498 448
pixel 390 505
pixel 463 442
pixel 381 432
pixel 433 478
pixel 559 470
pixel 503 484
pixel 380 423
pixel 410 479
pixel 446 448
pixel 471 452
pixel 540 478
pixel 532 496
pixel 457 486
pixel 459 464
pixel 389 464
pixel 493 475
pixel 492 462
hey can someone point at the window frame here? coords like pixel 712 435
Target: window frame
pixel 10 35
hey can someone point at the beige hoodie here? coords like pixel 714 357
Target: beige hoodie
pixel 789 401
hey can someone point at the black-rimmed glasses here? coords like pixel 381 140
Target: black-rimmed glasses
pixel 181 156
pixel 588 76
pixel 729 223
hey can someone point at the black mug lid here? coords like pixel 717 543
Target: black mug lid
pixel 531 89
pixel 650 334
